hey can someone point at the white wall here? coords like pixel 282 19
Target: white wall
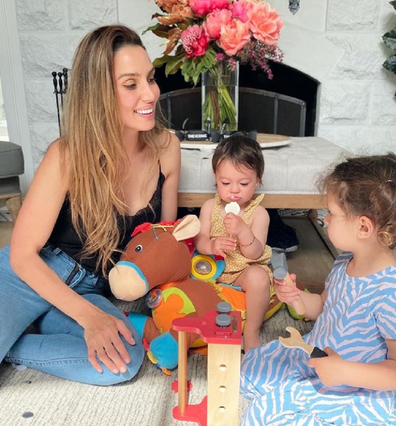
pixel 337 42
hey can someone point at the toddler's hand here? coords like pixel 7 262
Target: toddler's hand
pixel 285 293
pixel 233 224
pixel 329 369
pixel 219 244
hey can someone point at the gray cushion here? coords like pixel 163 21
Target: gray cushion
pixel 290 169
pixel 9 186
pixel 11 160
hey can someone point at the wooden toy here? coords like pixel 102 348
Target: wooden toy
pixel 279 264
pixel 295 341
pixel 221 330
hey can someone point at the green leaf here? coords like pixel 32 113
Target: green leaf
pixel 150 28
pixel 188 71
pixel 393 3
pixel 390 39
pixel 208 61
pixel 173 65
pixel 390 64
pixel 158 62
pixel 159 30
pixel 188 66
pixel 196 79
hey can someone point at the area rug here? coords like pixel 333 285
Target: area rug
pixel 31 398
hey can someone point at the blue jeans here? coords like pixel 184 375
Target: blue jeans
pixel 59 348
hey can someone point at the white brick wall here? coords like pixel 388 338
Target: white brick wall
pixel 338 42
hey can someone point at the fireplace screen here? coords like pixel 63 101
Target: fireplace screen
pixel 265 111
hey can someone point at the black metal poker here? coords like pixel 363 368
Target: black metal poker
pixel 60 75
pixel 56 92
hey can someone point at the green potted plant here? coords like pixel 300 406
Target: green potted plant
pixel 389 39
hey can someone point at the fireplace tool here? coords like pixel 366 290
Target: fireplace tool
pixel 59 80
pixel 294 5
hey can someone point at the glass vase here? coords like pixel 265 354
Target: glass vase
pixel 220 89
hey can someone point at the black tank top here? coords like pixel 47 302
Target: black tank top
pixel 66 238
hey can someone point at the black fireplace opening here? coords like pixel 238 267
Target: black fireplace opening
pixel 286 81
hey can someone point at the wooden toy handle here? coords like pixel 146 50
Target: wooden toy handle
pixel 297 305
pixel 318 353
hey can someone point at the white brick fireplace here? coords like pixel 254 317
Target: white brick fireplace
pixel 336 42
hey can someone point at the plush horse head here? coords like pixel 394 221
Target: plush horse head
pixel 157 254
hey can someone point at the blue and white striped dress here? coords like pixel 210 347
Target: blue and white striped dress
pixel 358 315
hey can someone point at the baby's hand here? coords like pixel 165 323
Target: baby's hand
pixel 219 244
pixel 329 369
pixel 285 293
pixel 233 224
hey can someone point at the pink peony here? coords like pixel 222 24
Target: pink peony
pixel 240 8
pixel 215 21
pixel 233 37
pixel 203 7
pixel 195 41
pixel 264 23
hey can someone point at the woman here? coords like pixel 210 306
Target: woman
pixel 113 168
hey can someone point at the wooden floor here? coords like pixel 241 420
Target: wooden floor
pixel 5 233
pixel 311 262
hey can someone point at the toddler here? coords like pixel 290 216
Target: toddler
pixel 355 316
pixel 239 237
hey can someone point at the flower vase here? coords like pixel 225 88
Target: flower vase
pixel 220 90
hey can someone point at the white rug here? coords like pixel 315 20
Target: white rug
pixel 31 398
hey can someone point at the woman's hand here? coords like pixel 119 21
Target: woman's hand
pixel 329 369
pixel 219 244
pixel 285 293
pixel 102 335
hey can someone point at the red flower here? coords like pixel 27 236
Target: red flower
pixel 195 41
pixel 240 8
pixel 203 7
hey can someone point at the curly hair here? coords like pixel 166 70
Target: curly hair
pixel 241 151
pixel 93 154
pixel 366 186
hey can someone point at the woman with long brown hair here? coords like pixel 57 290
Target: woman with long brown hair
pixel 113 168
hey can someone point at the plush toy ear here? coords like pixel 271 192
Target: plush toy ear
pixel 188 227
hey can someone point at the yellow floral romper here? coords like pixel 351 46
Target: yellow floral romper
pixel 236 262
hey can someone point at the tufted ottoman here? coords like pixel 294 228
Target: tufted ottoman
pixel 11 166
pixel 290 176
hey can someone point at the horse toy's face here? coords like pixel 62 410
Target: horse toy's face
pixel 155 256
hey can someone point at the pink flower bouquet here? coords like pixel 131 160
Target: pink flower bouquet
pixel 202 34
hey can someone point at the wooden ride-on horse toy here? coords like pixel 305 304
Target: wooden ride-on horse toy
pixel 157 262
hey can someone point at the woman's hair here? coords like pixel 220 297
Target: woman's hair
pixel 93 153
pixel 240 150
pixel 366 186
